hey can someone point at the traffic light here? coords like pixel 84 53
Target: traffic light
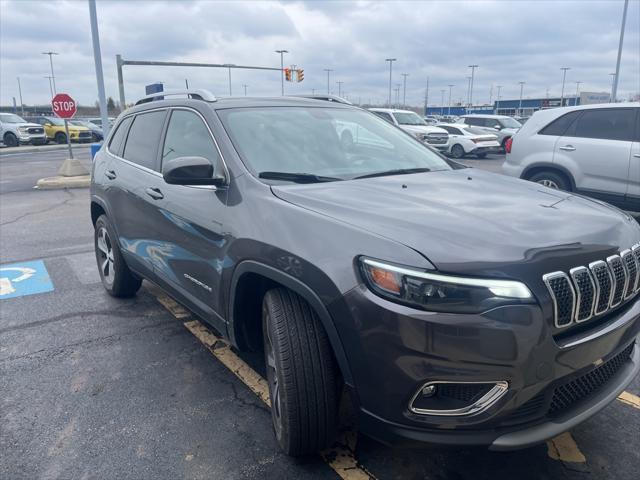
pixel 287 74
pixel 300 75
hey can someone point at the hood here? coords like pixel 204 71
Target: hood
pixel 423 129
pixel 29 125
pixel 471 221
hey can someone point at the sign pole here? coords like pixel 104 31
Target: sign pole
pixel 66 129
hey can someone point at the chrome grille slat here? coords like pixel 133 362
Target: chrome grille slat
pixel 592 291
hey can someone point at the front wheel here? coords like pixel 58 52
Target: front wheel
pixel 551 179
pixel 301 374
pixel 60 138
pixel 457 151
pixel 10 140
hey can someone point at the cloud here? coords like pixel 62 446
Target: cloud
pixel 511 41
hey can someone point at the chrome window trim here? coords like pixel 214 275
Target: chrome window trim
pixel 592 266
pixel 573 272
pixel 547 279
pixel 610 261
pixel 483 403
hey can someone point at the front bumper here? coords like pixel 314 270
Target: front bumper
pixel 393 350
pixel 28 139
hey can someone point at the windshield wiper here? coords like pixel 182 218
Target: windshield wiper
pixel 397 171
pixel 297 177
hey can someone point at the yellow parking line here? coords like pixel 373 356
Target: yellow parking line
pixel 630 399
pixel 564 448
pixel 340 456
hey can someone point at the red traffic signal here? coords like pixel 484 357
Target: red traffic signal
pixel 287 74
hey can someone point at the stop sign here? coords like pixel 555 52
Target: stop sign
pixel 64 106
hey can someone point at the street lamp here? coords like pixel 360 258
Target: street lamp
pixel 468 90
pixel 613 82
pixel 50 87
pixel 328 70
pixel 473 69
pixel 397 90
pixel 20 93
pixel 442 102
pixel 390 60
pixel 53 77
pixel 449 111
pixel 282 52
pixel 520 103
pixel 404 90
pixel 577 91
pixel 499 87
pixel 614 88
pixel 229 65
pixel 339 88
pixel 564 76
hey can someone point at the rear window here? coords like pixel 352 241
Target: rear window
pixel 560 125
pixel 115 144
pixel 143 139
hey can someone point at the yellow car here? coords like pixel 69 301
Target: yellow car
pixel 54 128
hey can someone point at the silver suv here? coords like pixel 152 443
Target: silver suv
pixel 591 149
pixel 500 125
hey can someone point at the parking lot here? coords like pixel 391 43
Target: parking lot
pixel 95 387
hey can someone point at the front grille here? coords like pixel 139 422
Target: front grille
pixel 437 138
pixel 35 130
pixel 465 392
pixel 566 395
pixel 588 292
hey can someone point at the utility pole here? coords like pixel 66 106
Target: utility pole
pixel 397 89
pixel 450 87
pixel 613 81
pixel 339 88
pixel 520 103
pixel 229 65
pixel 442 102
pixel 473 69
pixel 244 85
pixel 577 91
pixel 404 90
pixel 20 92
pixel 282 52
pixel 614 89
pixel 499 87
pixel 50 87
pixel 564 76
pixel 53 77
pixel 97 59
pixel 328 70
pixel 491 94
pixel 390 60
pixel 468 90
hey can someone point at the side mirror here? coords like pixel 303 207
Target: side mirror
pixel 190 171
pixel 497 127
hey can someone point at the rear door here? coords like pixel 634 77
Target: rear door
pixel 597 148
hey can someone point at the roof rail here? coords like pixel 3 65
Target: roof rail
pixel 199 94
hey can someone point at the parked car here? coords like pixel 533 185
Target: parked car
pixel 467 140
pixel 17 131
pixel 412 123
pixel 97 133
pixel 455 306
pixel 500 125
pixel 591 149
pixel 54 129
pixel 430 120
pixel 98 121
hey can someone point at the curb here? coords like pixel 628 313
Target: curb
pixel 58 182
pixel 41 148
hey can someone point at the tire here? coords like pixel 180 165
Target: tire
pixel 60 138
pixel 481 155
pixel 301 374
pixel 551 179
pixel 457 151
pixel 10 140
pixel 116 277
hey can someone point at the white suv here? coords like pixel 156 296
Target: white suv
pixel 17 131
pixel 501 126
pixel 412 123
pixel 591 149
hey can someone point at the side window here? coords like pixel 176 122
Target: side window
pixel 560 125
pixel 115 144
pixel 474 121
pixel 188 136
pixel 608 124
pixel 143 139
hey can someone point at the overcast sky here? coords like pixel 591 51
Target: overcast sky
pixel 511 41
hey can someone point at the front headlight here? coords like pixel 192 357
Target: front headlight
pixel 23 129
pixel 441 293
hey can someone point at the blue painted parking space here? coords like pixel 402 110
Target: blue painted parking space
pixel 24 278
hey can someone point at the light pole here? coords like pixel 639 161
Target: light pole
pixel 397 90
pixel 520 102
pixel 404 90
pixel 614 89
pixel 577 91
pixel 468 90
pixel 97 60
pixel 20 92
pixel 50 87
pixel 449 110
pixel 328 70
pixel 564 76
pixel 613 81
pixel 53 77
pixel 442 102
pixel 244 85
pixel 473 69
pixel 282 52
pixel 499 87
pixel 339 88
pixel 426 97
pixel 390 60
pixel 229 65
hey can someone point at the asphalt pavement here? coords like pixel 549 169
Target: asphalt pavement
pixel 95 387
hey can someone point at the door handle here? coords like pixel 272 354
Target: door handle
pixel 568 148
pixel 154 193
pixel 637 155
pixel 110 174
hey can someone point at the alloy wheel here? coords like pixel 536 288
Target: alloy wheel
pixel 548 183
pixel 105 256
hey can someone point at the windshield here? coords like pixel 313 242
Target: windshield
pixel 510 123
pixel 408 118
pixel 328 142
pixel 11 118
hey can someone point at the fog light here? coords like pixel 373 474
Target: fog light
pixel 428 390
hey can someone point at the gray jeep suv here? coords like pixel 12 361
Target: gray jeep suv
pixel 455 306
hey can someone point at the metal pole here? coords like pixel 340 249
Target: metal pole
pixel 120 81
pixel 328 70
pixel 53 77
pixel 66 129
pixel 614 90
pixel 468 90
pixel 577 91
pixel 450 87
pixel 230 81
pixel 426 98
pixel 442 102
pixel 520 103
pixel 613 80
pixel 473 69
pixel 339 88
pixel 50 87
pixel 499 87
pixel 20 92
pixel 282 52
pixel 97 58
pixel 564 76
pixel 404 91
pixel 390 60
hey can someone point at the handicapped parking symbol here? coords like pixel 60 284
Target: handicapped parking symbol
pixel 26 278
